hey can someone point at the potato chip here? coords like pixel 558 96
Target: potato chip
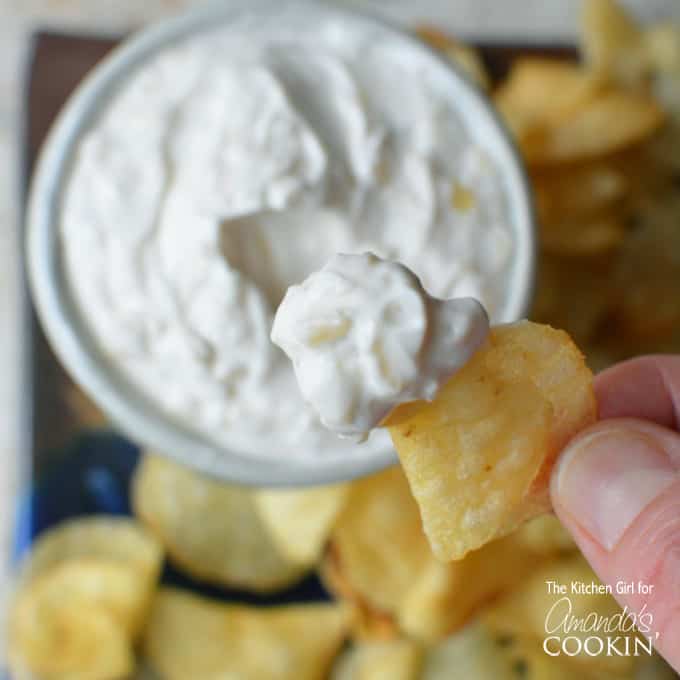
pixel 367 622
pixel 546 536
pixel 112 539
pixel 611 122
pixel 662 46
pixel 568 194
pixel 190 637
pixel 79 644
pixel 77 619
pixel 473 653
pixel 395 660
pixel 532 609
pixel 378 540
pixel 300 520
pixel 612 42
pixel 211 530
pixel 447 594
pixel 532 663
pixel 462 55
pixel 653 668
pixel 478 457
pixel 539 93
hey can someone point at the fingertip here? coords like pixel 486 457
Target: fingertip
pixel 608 475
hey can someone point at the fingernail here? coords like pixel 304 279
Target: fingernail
pixel 606 479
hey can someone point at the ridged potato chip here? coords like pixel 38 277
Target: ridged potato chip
pixel 662 46
pixel 579 191
pixel 77 621
pixel 473 653
pixel 545 536
pixel 212 530
pixel 542 92
pixel 367 622
pixel 612 43
pixel 378 543
pixel 394 660
pixel 532 663
pixel 112 539
pixel 613 121
pixel 300 520
pixel 478 458
pixel 527 610
pixel 191 638
pixel 447 594
pixel 380 562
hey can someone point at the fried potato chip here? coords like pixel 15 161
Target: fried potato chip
pixel 211 530
pixel 532 663
pixel 545 535
pixel 532 609
pixel 462 55
pixel 79 644
pixel 662 46
pixel 300 520
pixel 77 620
pixel 478 457
pixel 613 121
pixel 112 539
pixel 378 541
pixel 473 653
pixel 367 622
pixel 395 660
pixel 539 93
pixel 447 594
pixel 572 193
pixel 190 637
pixel 612 43
pixel 653 668
pixel 115 587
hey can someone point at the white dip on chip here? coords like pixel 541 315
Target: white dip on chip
pixel 364 336
pixel 234 163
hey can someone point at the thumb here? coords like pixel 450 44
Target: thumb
pixel 616 487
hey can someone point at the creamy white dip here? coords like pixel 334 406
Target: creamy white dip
pixel 235 163
pixel 364 336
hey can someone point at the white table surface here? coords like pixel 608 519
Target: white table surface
pixel 534 19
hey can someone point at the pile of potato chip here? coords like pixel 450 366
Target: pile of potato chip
pixel 601 139
pixel 89 607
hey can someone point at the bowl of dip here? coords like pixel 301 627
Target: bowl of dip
pixel 221 156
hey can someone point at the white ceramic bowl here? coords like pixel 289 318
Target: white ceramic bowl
pixel 133 412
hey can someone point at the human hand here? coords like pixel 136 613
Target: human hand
pixel 616 487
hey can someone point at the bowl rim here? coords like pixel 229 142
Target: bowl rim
pixel 69 337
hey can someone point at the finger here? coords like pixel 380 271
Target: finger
pixel 617 489
pixel 646 387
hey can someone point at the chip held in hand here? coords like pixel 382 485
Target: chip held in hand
pixel 478 458
pixel 477 416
